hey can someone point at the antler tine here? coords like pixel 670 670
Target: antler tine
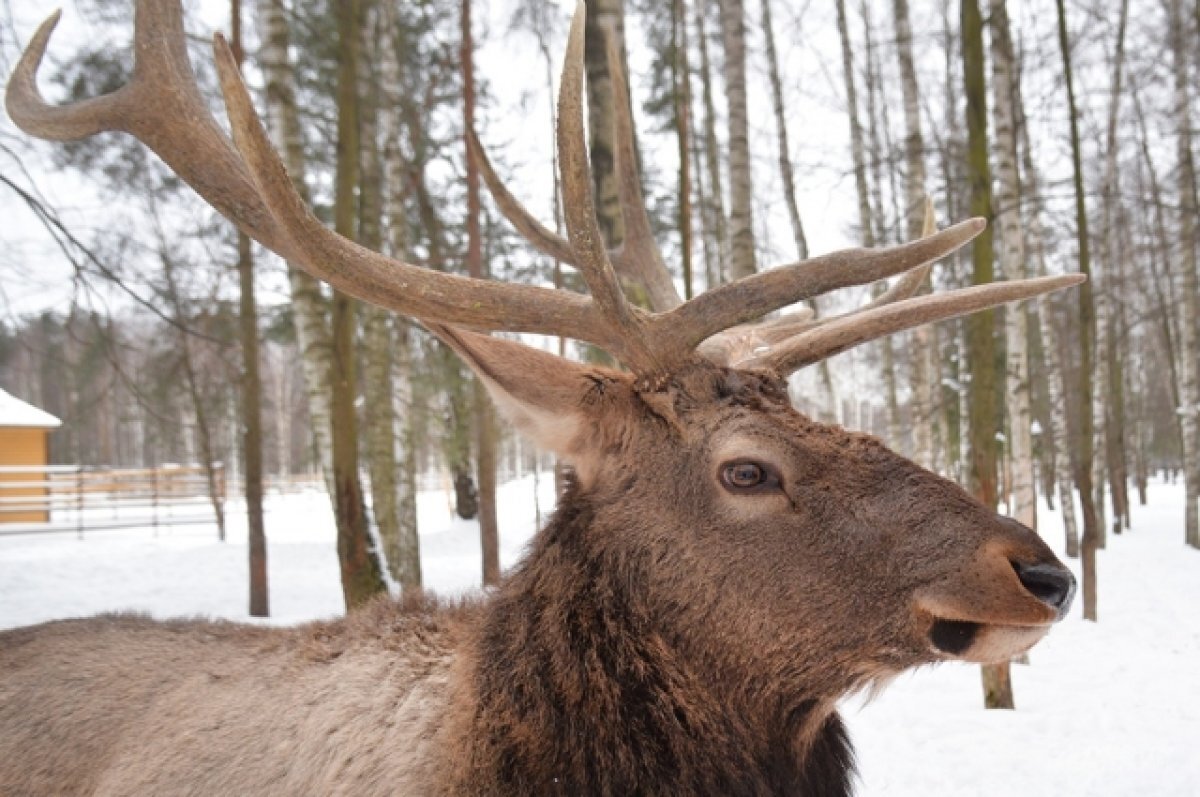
pixel 753 297
pixel 160 106
pixel 543 239
pixel 638 258
pixel 535 233
pixel 910 283
pixel 645 262
pixel 839 334
pixel 368 275
pixel 740 343
pixel 582 228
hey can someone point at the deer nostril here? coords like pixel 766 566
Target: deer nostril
pixel 1052 584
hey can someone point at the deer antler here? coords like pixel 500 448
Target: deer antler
pixel 893 311
pixel 247 182
pixel 644 262
pixel 162 108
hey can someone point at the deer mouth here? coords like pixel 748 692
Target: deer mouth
pixel 966 640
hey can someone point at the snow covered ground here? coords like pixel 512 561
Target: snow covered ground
pixel 1108 709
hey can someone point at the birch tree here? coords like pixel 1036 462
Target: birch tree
pixel 1022 504
pixel 309 307
pixel 741 219
pixel 714 205
pixel 925 419
pixel 1083 467
pixel 379 421
pixel 682 90
pixel 403 550
pixel 1056 435
pixel 1108 399
pixel 1188 268
pixel 603 16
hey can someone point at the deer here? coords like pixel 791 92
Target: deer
pixel 719 572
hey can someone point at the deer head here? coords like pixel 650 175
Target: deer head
pixel 708 485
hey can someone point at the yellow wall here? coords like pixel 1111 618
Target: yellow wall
pixel 19 446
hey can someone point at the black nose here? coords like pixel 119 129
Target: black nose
pixel 1052 584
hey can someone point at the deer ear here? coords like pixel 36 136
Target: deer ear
pixel 551 400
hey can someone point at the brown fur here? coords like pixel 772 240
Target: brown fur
pixel 663 634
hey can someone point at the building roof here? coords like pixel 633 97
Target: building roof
pixel 14 412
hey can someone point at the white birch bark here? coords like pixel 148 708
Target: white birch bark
pixel 309 305
pixel 403 550
pixel 1022 503
pixel 1057 435
pixel 741 219
pixel 715 201
pixel 1189 254
pixel 924 418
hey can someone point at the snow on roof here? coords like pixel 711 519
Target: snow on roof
pixel 14 412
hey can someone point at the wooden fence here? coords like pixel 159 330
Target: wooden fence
pixel 67 498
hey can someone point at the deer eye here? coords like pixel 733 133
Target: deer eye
pixel 745 476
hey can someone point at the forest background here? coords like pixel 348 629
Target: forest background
pixel 132 312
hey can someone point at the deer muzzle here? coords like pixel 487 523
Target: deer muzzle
pixel 997 604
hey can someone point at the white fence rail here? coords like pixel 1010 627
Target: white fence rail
pixel 71 498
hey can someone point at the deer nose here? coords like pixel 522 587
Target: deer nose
pixel 1052 584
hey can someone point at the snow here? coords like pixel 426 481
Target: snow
pixel 1107 709
pixel 14 412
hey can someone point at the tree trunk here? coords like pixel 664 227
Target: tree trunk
pixel 828 398
pixel 949 363
pixel 715 204
pixel 921 352
pixel 1110 398
pixel 1083 468
pixel 682 89
pixel 251 396
pixel 981 327
pixel 310 310
pixel 485 432
pixel 1189 281
pixel 379 421
pixel 216 495
pixel 603 15
pixel 361 574
pixel 857 153
pixel 448 367
pixel 403 551
pixel 741 218
pixel 1022 504
pixel 1057 435
pixel 1160 279
pixel 252 432
pixel 877 120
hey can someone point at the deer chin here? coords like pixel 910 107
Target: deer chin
pixel 985 643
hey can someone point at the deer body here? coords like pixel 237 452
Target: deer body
pixel 722 571
pixel 121 705
pixel 662 635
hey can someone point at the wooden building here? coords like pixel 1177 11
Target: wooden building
pixel 24 442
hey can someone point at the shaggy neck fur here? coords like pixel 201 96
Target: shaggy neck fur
pixel 577 687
